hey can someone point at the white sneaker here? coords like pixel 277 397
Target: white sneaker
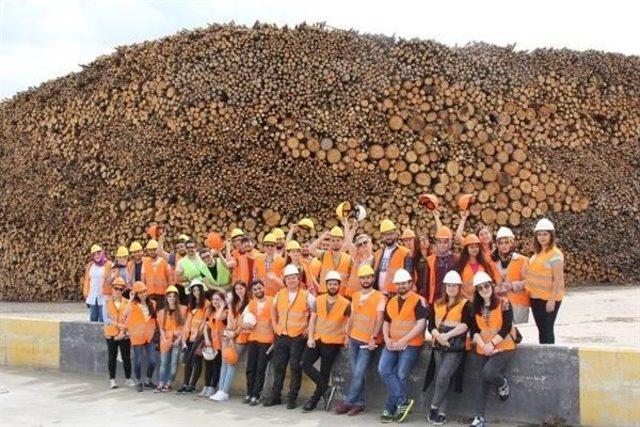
pixel 217 396
pixel 112 384
pixel 210 391
pixel 203 392
pixel 130 382
pixel 225 396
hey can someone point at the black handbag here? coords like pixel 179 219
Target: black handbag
pixel 457 343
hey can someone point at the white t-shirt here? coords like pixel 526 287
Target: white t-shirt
pixel 384 264
pixel 96 281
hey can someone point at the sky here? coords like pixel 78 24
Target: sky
pixel 41 40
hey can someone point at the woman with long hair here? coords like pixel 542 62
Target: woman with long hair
pixel 171 320
pixel 472 260
pixel 115 332
pixel 510 268
pixel 361 250
pixel 141 324
pixel 294 256
pixel 484 234
pixel 216 323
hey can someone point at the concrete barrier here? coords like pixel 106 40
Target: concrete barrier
pixel 583 386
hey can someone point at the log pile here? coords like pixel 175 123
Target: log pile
pixel 257 127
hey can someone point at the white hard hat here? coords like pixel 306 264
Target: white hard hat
pixel 402 276
pixel 249 319
pixel 194 282
pixel 544 225
pixel 333 275
pixel 481 277
pixel 291 270
pixel 209 353
pixel 452 277
pixel 504 232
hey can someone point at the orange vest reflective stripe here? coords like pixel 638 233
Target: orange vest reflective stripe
pixel 431 262
pixel 141 328
pixel 539 279
pixel 454 316
pixel 292 318
pixel 170 327
pixel 271 287
pixel 490 326
pixel 216 326
pixel 513 273
pixel 343 267
pixel 396 262
pixel 353 285
pixel 115 314
pixel 330 325
pixel 403 320
pixel 364 315
pixel 156 276
pixel 262 332
pixel 195 318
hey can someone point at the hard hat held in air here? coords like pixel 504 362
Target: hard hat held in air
pixel 306 224
pixel 214 241
pixel 429 201
pixel 465 201
pixel 347 210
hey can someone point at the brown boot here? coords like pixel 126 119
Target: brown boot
pixel 355 410
pixel 342 407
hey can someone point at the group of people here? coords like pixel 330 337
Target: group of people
pixel 292 304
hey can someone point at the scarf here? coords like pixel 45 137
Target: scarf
pixel 102 261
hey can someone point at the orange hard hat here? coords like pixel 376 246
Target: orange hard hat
pixel 465 201
pixel 470 239
pixel 153 231
pixel 139 287
pixel 444 233
pixel 230 355
pixel 118 281
pixel 429 201
pixel 214 241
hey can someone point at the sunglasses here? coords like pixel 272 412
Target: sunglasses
pixel 361 244
pixel 191 247
pixel 118 289
pixel 484 286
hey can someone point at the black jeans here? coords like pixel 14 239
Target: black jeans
pixel 192 364
pixel 287 350
pixel 125 351
pixel 257 361
pixel 492 371
pixel 212 371
pixel 544 321
pixel 327 354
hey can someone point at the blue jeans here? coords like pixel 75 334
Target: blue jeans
pixel 95 313
pixel 394 368
pixel 359 358
pixel 150 349
pixel 227 372
pixel 169 364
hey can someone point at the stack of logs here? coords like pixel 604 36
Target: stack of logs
pixel 257 127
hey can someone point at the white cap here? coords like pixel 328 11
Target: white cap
pixel 452 277
pixel 333 275
pixel 291 270
pixel 481 277
pixel 544 225
pixel 194 282
pixel 504 232
pixel 249 318
pixel 402 276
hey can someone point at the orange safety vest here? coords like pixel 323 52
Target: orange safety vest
pixel 454 316
pixel 314 267
pixel 490 326
pixel 310 277
pixel 396 262
pixel 539 279
pixel 513 273
pixel 330 325
pixel 106 287
pixel 170 327
pixel 115 314
pixel 216 326
pixel 271 287
pixel 293 318
pixel 467 279
pixel 157 276
pixel 403 321
pixel 327 264
pixel 141 328
pixel 262 332
pixel 233 324
pixel 131 269
pixel 195 318
pixel 364 315
pixel 353 285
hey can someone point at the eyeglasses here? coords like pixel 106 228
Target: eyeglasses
pixel 191 247
pixel 361 244
pixel 484 286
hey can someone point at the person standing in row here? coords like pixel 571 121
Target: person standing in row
pixel 94 284
pixel 141 324
pixel 193 335
pixel 269 266
pixel 472 260
pixel 156 273
pixel 135 263
pixel 119 269
pixel 115 332
pixel 390 259
pixel 510 268
pixel 437 265
pixel 216 275
pixel 171 320
pixel 332 259
pixel 216 324
pixel 308 279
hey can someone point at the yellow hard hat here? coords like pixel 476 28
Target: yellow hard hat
pixel 135 247
pixel 183 238
pixel 408 234
pixel 152 244
pixel 444 233
pixel 293 246
pixel 122 251
pixel 95 248
pixel 278 233
pixel 172 289
pixel 365 270
pixel 343 209
pixel 236 232
pixel 336 232
pixel 118 281
pixel 306 223
pixel 387 225
pixel 269 238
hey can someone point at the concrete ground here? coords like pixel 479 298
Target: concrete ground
pixel 31 397
pixel 589 316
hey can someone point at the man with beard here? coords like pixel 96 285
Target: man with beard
pixel 120 269
pixel 280 241
pixel 327 331
pixel 269 266
pixel 156 274
pixel 172 258
pixel 510 267
pixel 365 324
pixel 134 266
pixel 437 265
pixel 216 275
pixel 189 267
pixel 332 259
pixel 241 261
pixel 403 327
pixel 390 259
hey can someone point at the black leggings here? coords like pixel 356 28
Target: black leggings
pixel 192 364
pixel 212 371
pixel 544 321
pixel 125 351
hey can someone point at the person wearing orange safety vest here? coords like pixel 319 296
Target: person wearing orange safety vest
pixel 437 265
pixel 95 288
pixel 494 336
pixel 257 315
pixel 390 259
pixel 290 318
pixel 510 268
pixel 472 260
pixel 171 319
pixel 364 327
pixel 308 276
pixel 409 240
pixel 361 250
pixel 242 261
pixel 403 331
pixel 332 259
pixel 487 245
pixel 140 319
pixel 327 336
pixel 213 337
pixel 280 238
pixel 134 266
pixel 269 266
pixel 156 273
pixel 119 269
pixel 115 332
pixel 544 279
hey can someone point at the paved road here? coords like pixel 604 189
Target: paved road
pixel 47 398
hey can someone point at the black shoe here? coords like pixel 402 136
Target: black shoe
pixel 150 384
pixel 254 401
pixel 503 390
pixel 139 387
pixel 291 404
pixel 432 415
pixel 273 401
pixel 310 405
pixel 439 420
pixel 328 397
pixel 246 399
